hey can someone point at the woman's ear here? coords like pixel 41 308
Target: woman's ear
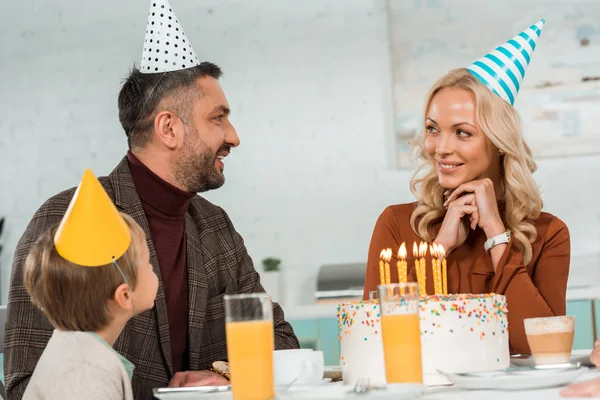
pixel 122 297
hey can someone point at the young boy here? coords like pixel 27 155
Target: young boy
pixel 89 276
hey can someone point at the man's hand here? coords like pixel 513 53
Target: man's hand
pixel 583 389
pixel 197 378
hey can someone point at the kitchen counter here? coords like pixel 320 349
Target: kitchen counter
pixel 313 311
pixel 583 293
pixel 310 311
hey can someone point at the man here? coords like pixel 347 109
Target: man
pixel 176 118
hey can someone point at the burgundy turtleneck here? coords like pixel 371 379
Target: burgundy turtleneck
pixel 165 207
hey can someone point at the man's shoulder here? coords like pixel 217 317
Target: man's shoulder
pixel 60 201
pixel 210 218
pixel 203 209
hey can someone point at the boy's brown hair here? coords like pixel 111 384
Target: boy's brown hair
pixel 73 297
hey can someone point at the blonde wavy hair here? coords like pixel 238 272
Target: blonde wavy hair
pixel 501 124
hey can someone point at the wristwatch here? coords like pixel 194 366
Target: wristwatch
pixel 496 240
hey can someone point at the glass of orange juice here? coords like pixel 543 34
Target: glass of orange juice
pixel 401 332
pixel 250 345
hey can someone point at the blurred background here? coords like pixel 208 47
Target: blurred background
pixel 324 96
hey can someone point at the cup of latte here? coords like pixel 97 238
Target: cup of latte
pixel 550 339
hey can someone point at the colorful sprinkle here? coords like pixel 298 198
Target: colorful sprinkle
pixel 475 308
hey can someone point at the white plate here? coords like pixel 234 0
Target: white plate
pixel 517 380
pixel 400 391
pixel 581 356
pixel 188 393
pixel 300 387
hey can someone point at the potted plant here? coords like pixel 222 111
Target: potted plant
pixel 271 277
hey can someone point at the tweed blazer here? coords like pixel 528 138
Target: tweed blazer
pixel 217 264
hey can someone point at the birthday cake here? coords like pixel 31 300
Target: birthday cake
pixel 459 333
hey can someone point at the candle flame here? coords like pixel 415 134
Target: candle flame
pixel 402 252
pixel 441 252
pixel 415 250
pixel 387 254
pixel 382 254
pixel 433 250
pixel 422 249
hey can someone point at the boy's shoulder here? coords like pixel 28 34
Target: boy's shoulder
pixel 78 348
pixel 83 358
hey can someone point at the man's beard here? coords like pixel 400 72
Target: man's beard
pixel 195 169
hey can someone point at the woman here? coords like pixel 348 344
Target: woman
pixel 476 197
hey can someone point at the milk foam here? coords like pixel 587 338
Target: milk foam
pixel 539 326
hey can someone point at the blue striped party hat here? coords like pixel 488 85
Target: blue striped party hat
pixel 503 70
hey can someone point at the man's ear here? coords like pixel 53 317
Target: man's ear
pixel 122 297
pixel 168 128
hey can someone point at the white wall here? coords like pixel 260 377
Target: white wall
pixel 309 85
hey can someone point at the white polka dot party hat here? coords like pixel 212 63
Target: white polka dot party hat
pixel 503 70
pixel 166 48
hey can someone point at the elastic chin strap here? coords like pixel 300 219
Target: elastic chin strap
pixel 127 283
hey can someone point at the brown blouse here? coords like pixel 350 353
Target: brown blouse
pixel 536 290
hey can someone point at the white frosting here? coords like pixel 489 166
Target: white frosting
pixel 459 333
pixel 361 346
pixel 539 326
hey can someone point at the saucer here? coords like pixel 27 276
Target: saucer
pixel 520 378
pixel 582 356
pixel 399 391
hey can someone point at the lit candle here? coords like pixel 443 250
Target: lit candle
pixel 418 268
pixel 381 268
pixel 423 266
pixel 401 264
pixel 416 256
pixel 433 269
pixel 442 253
pixel 438 270
pixel 386 259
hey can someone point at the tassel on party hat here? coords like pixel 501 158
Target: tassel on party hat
pixel 166 48
pixel 92 233
pixel 503 70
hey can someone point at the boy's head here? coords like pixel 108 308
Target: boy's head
pixel 78 298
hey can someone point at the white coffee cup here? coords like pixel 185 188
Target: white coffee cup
pixel 298 366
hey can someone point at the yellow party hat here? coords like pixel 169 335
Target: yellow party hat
pixel 92 233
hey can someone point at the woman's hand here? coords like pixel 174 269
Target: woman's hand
pixel 455 227
pixel 595 356
pixel 485 200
